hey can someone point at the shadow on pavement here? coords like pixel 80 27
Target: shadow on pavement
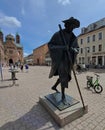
pixel 36 118
pixel 2 84
pixel 9 85
pixel 97 70
pixel 5 86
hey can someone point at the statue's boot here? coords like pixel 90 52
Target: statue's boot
pixel 63 97
pixel 64 101
pixel 55 86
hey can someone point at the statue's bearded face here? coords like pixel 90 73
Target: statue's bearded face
pixel 69 27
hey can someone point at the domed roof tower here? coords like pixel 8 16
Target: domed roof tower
pixel 10 37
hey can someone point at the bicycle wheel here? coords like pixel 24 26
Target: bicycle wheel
pixel 98 88
pixel 88 84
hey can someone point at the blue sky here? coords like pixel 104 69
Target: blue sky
pixel 37 20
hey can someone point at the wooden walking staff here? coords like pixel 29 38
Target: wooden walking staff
pixel 64 41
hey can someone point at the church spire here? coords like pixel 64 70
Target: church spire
pixel 17 38
pixel 1 35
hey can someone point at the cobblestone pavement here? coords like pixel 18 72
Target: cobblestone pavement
pixel 20 108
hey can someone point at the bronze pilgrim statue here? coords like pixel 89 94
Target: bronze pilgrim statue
pixel 61 65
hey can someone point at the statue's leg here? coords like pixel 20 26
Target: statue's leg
pixel 63 93
pixel 55 85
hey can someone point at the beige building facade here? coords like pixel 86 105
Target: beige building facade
pixel 92 44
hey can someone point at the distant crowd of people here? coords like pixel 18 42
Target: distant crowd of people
pixel 22 67
pixel 26 67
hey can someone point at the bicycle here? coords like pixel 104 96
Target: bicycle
pixel 94 84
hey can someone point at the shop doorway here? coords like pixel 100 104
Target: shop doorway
pixel 100 60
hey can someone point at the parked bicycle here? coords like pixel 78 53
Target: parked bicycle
pixel 94 84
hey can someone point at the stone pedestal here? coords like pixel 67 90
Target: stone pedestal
pixel 66 115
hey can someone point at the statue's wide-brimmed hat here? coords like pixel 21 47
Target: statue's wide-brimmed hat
pixel 73 21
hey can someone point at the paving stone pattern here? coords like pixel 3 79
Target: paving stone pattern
pixel 20 108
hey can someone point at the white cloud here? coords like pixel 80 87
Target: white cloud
pixel 23 11
pixel 64 2
pixel 26 54
pixel 37 3
pixel 33 7
pixel 22 4
pixel 49 31
pixel 9 21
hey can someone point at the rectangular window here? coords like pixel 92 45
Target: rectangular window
pixel 81 50
pixel 100 48
pixel 93 48
pixel 81 41
pixel 100 36
pixel 83 59
pixel 93 38
pixel 79 60
pixel 88 39
pixel 87 49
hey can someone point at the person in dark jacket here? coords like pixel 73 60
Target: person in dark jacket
pixel 61 65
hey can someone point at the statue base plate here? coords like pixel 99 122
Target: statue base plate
pixel 55 99
pixel 67 114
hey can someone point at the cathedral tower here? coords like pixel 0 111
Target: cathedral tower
pixel 1 35
pixel 17 38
